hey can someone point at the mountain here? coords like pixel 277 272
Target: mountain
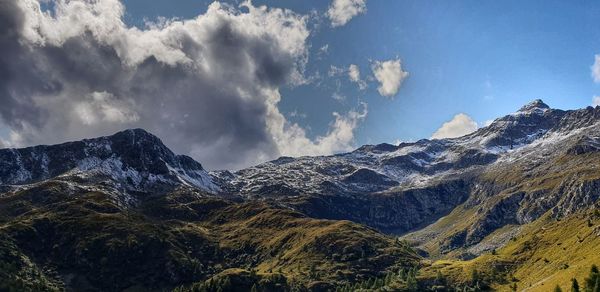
pixel 495 190
pixel 510 172
pixel 496 201
pixel 124 212
pixel 124 163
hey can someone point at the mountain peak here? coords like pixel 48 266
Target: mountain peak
pixel 536 104
pixel 136 136
pixel 133 158
pixel 136 131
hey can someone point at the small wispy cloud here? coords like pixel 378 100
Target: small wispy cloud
pixel 342 11
pixel 338 96
pixel 297 114
pixel 354 75
pixel 324 49
pixel 596 69
pixel 596 101
pixel 335 71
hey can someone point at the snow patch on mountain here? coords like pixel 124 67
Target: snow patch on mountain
pixel 133 160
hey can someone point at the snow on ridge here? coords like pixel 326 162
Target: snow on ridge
pixel 114 168
pixel 197 178
pixel 547 144
pixel 22 174
pixel 423 156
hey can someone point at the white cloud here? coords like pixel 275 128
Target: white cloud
pixel 208 86
pixel 104 107
pixel 340 136
pixel 297 114
pixel 335 71
pixel 341 11
pixel 390 76
pixel 460 125
pixel 354 74
pixel 397 142
pixel 596 101
pixel 324 49
pixel 596 69
pixel 338 96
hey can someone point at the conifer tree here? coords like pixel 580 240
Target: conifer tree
pixel 411 282
pixel 513 287
pixel 574 285
pixel 388 278
pixel 592 279
pixel 474 277
pixel 364 285
pixel 402 275
pixel 439 278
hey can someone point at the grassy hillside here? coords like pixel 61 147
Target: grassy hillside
pixel 544 254
pixel 84 241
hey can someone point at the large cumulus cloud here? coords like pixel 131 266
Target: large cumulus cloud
pixel 208 86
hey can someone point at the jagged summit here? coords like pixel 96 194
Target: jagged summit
pixel 136 134
pixel 134 159
pixel 536 104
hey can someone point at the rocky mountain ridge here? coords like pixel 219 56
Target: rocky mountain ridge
pixel 64 207
pixel 511 172
pixel 507 173
pixel 131 161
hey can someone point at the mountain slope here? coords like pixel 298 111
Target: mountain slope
pixel 296 222
pixel 558 172
pixel 546 253
pixel 508 173
pixel 125 213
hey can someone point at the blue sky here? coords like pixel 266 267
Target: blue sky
pixel 481 58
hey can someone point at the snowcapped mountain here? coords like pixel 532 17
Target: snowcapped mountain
pixel 511 172
pixel 376 168
pixel 128 161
